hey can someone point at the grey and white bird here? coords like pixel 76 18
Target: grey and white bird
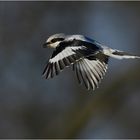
pixel 88 58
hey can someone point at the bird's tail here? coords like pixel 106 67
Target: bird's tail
pixel 119 54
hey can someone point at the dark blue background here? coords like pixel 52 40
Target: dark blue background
pixel 32 107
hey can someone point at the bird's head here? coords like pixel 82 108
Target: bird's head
pixel 54 40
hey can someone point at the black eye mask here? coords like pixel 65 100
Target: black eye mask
pixel 56 39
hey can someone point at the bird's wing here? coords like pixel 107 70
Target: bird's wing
pixel 90 72
pixel 61 58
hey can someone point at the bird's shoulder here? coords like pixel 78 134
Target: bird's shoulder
pixel 77 43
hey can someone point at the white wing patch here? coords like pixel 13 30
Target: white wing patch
pixel 65 53
pixel 63 59
pixel 90 72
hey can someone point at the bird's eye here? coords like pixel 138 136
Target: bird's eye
pixel 53 40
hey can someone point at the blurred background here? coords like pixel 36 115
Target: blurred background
pixel 32 107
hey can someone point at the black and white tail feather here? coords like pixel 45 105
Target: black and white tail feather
pixel 88 58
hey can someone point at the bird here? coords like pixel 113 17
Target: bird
pixel 88 58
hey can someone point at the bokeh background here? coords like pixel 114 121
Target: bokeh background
pixel 32 107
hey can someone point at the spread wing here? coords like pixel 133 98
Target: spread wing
pixel 90 71
pixel 68 53
pixel 61 58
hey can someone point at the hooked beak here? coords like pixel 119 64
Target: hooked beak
pixel 46 44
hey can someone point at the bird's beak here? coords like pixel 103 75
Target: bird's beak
pixel 45 45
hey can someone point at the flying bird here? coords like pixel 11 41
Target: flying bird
pixel 88 58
